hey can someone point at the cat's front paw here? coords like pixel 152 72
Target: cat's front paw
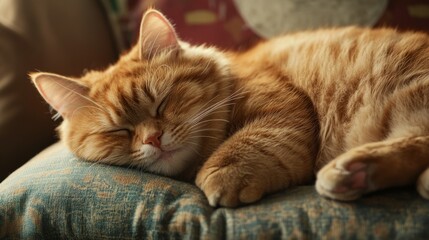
pixel 346 177
pixel 227 187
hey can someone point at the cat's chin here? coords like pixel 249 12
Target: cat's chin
pixel 168 155
pixel 171 163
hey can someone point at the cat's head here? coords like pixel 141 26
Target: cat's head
pixel 161 107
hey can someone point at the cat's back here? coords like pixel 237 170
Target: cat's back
pixel 352 52
pixel 332 64
pixel 344 72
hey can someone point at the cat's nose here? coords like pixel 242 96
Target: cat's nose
pixel 154 139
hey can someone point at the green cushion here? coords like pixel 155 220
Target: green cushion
pixel 56 196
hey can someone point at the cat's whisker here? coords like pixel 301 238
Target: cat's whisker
pixel 94 163
pixel 119 160
pixel 109 160
pixel 193 148
pixel 208 102
pixel 137 155
pixel 193 126
pixel 141 168
pixel 206 112
pixel 200 110
pixel 129 166
pixel 203 106
pixel 222 103
pixel 137 163
pixel 188 140
pixel 204 136
pixel 194 144
pixel 206 129
pixel 213 106
pixel 56 116
pixel 213 112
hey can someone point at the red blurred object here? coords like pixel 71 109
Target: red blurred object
pixel 215 22
pixel 406 15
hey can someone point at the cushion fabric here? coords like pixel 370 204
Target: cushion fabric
pixel 57 196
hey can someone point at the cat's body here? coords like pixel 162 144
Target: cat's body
pixel 353 101
pixel 352 76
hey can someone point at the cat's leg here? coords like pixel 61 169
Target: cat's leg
pixel 374 166
pixel 263 157
pixel 423 184
pixel 396 161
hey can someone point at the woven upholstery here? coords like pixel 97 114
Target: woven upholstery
pixel 56 196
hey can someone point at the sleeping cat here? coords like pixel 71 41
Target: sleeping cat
pixel 350 104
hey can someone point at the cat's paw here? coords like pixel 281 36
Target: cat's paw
pixel 423 184
pixel 224 186
pixel 347 177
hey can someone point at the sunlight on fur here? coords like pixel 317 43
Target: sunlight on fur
pixel 349 104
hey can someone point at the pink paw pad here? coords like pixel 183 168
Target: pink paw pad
pixel 356 180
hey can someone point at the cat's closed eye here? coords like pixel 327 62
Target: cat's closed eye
pixel 161 107
pixel 123 132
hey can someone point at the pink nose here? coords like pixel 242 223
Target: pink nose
pixel 154 139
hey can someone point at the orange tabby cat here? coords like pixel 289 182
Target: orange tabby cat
pixel 352 102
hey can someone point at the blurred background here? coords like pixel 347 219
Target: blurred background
pixel 70 36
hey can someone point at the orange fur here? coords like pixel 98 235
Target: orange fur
pixel 352 102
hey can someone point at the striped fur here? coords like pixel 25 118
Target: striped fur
pixel 350 104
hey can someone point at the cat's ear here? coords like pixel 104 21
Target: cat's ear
pixel 65 95
pixel 156 35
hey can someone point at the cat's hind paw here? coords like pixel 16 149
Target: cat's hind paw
pixel 345 178
pixel 423 184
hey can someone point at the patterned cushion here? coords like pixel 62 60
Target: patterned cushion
pixel 56 196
